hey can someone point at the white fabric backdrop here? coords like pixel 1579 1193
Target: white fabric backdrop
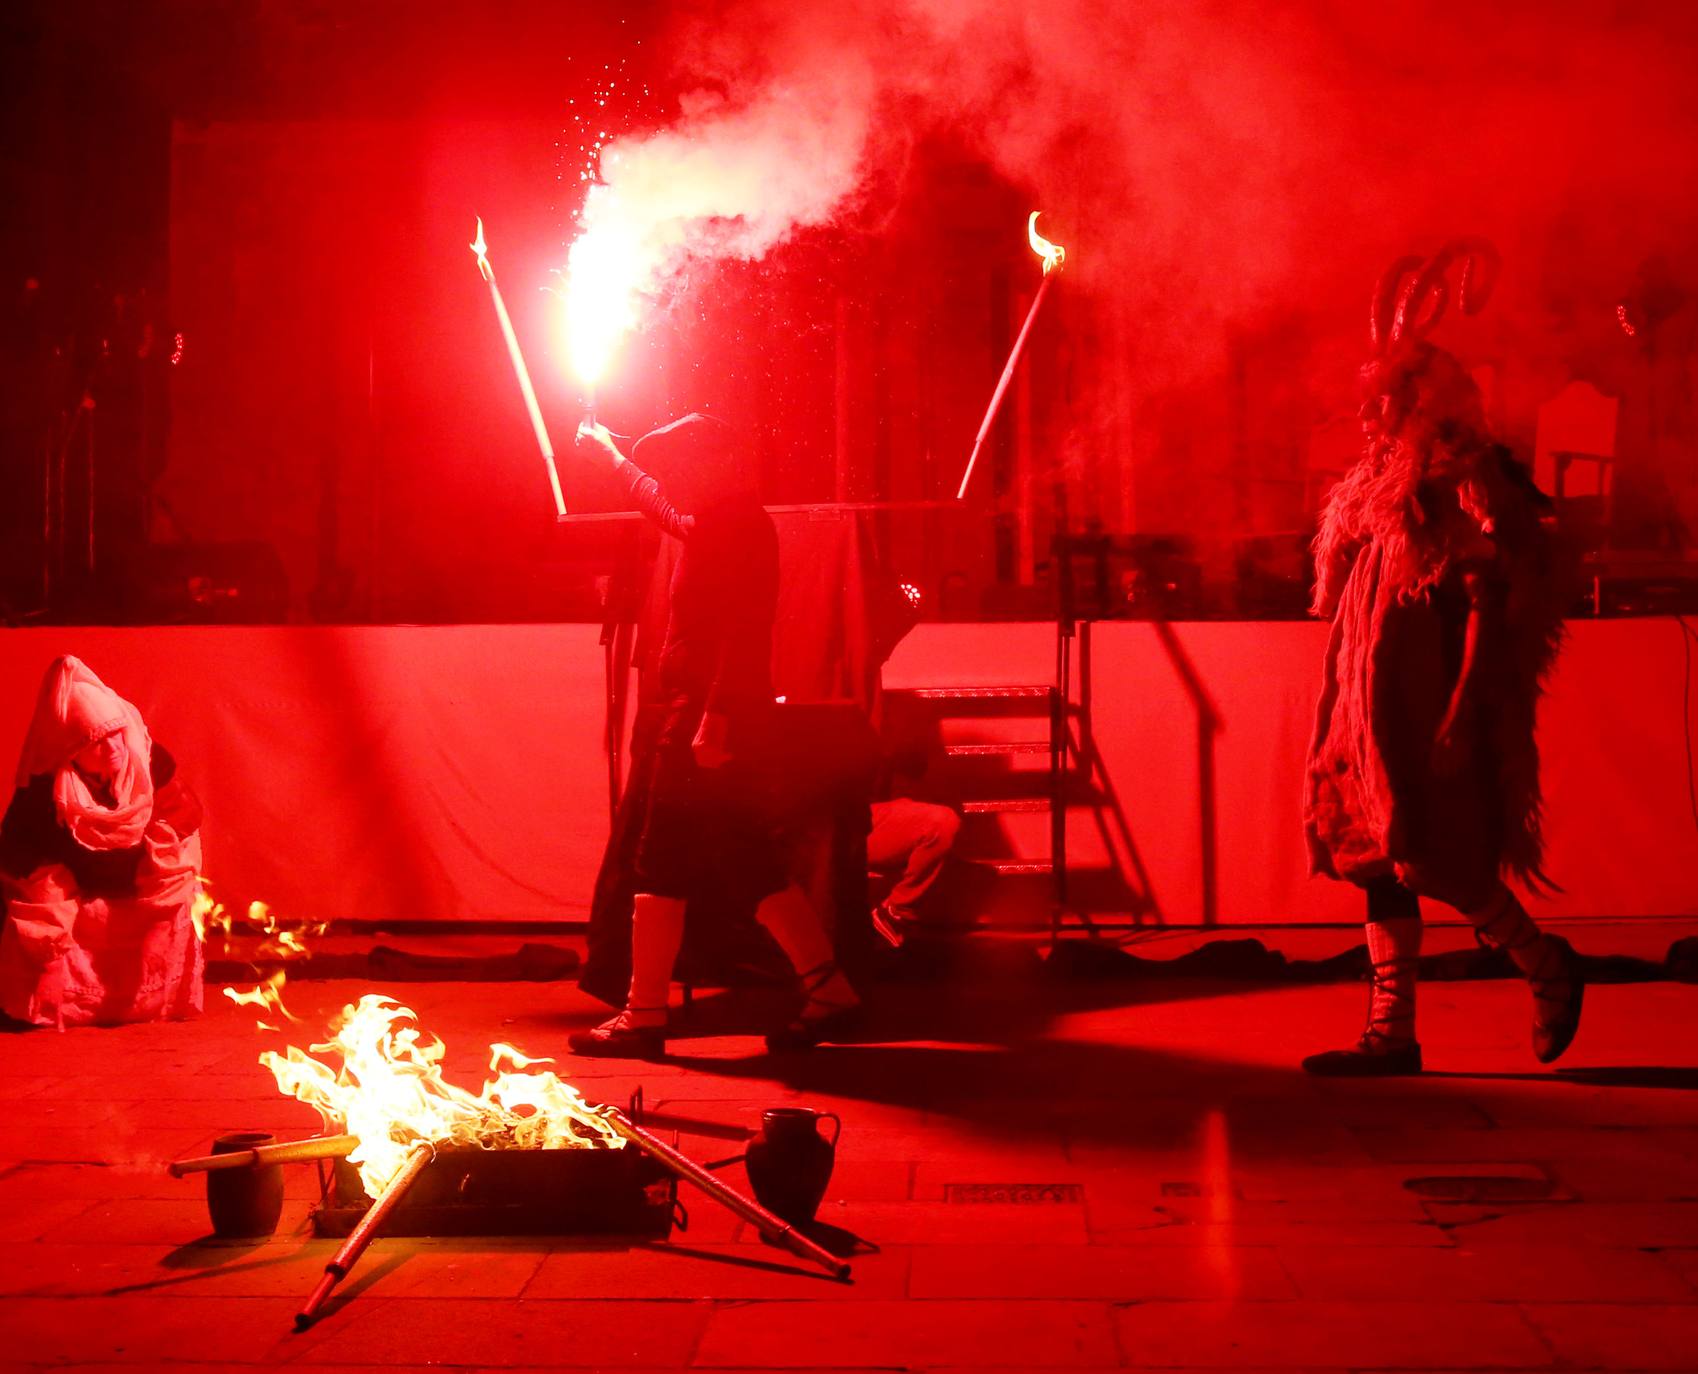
pixel 457 772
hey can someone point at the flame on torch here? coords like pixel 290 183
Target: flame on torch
pixel 1053 255
pixel 481 248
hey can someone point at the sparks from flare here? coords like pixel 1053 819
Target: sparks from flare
pixel 606 271
pixel 389 1091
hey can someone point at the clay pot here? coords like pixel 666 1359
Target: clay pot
pixel 244 1203
pixel 790 1164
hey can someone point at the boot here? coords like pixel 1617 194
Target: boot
pixel 622 1037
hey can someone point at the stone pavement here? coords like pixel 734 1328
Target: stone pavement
pixel 1166 1192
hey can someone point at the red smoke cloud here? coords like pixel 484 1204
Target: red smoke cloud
pixel 1221 170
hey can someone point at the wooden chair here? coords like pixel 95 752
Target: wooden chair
pixel 1574 451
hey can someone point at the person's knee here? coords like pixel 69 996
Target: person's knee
pixel 1463 894
pixel 1391 900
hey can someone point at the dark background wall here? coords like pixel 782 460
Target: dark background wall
pixel 290 186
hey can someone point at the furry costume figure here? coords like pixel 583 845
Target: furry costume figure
pixel 1437 563
pixel 1435 521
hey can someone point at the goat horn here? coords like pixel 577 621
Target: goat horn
pixel 1386 293
pixel 1480 267
pixel 1422 304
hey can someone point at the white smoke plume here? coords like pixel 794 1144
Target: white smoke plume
pixel 742 168
pixel 1235 153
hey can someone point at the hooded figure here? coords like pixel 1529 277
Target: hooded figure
pixel 99 858
pixel 1437 565
pixel 697 819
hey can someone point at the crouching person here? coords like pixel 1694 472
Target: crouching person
pixel 99 859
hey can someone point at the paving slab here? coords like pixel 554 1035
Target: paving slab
pixel 1603 1225
pixel 681 1270
pixel 1508 1273
pixel 411 1333
pixel 1107 1272
pixel 909 1334
pixel 1335 1335
pixel 1636 1336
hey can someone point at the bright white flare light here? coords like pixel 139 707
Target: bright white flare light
pixel 605 272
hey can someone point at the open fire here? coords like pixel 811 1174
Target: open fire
pixel 282 939
pixel 389 1091
pixel 389 1113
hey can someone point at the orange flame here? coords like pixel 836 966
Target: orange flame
pixel 1053 254
pixel 390 1092
pixel 268 993
pixel 286 944
pixel 210 917
pixel 481 248
pixel 208 913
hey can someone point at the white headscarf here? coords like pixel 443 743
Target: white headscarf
pixel 74 709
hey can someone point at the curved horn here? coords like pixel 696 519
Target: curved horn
pixel 1480 267
pixel 1385 301
pixel 1422 305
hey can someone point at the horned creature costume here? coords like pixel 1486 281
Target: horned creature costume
pixel 1436 561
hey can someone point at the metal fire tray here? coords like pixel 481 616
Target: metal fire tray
pixel 466 1191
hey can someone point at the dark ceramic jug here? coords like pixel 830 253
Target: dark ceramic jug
pixel 790 1164
pixel 244 1202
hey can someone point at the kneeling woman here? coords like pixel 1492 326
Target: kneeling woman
pixel 99 855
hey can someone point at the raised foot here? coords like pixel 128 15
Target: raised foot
pixel 1558 992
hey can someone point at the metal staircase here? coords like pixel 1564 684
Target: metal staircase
pixel 980 796
pixel 1074 777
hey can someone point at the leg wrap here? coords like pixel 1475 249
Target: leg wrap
pixel 1503 923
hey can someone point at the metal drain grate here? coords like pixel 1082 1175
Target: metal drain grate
pixel 1020 1194
pixel 1481 1188
pixel 1185 1188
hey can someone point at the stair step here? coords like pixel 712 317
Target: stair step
pixel 1016 867
pixel 1024 746
pixel 993 804
pixel 979 693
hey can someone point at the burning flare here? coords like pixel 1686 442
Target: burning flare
pixel 606 271
pixel 1053 254
pixel 390 1093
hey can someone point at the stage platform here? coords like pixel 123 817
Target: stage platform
pixel 457 773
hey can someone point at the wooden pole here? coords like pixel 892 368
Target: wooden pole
pixel 363 1234
pixel 774 1228
pixel 1002 383
pixel 290 1152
